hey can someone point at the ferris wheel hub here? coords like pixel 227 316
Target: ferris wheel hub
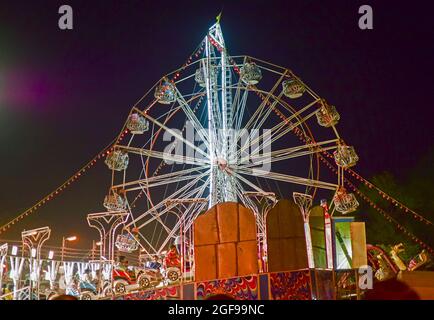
pixel 222 164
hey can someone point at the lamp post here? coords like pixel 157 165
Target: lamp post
pixel 64 239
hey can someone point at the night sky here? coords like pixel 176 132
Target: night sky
pixel 64 95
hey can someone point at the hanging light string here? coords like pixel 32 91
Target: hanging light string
pixel 106 151
pixel 386 196
pixel 380 210
pixel 369 201
pixel 383 194
pixel 66 184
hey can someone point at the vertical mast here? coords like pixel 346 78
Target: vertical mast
pixel 211 121
pixel 220 117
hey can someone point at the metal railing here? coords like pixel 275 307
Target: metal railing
pixel 68 253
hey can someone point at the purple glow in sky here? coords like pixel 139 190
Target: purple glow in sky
pixel 30 90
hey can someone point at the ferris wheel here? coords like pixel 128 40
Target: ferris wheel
pixel 222 129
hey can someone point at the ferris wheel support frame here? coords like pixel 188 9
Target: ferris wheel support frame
pixel 33 240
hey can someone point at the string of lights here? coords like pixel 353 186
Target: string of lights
pixel 106 151
pixel 58 191
pixel 380 210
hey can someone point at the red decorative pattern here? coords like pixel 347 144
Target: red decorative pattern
pixel 241 288
pixel 290 285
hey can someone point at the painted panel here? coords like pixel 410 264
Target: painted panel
pixel 240 288
pixel 290 285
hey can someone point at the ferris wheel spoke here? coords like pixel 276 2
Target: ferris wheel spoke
pixel 175 134
pixel 287 153
pixel 266 99
pixel 193 119
pixel 238 103
pixel 146 184
pixel 165 156
pixel 270 137
pixel 247 182
pixel 197 205
pixel 181 215
pixel 282 70
pixel 281 128
pixel 287 178
pixel 247 201
pixel 196 212
pixel 240 110
pixel 170 181
pixel 257 114
pixel 241 192
pixel 249 143
pixel 147 243
pixel 162 177
pixel 178 193
pixel 170 208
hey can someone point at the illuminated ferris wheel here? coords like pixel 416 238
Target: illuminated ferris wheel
pixel 221 129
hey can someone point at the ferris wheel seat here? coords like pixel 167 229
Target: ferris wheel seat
pixel 345 156
pixel 114 202
pixel 137 124
pixel 293 88
pixel 345 202
pixel 327 115
pixel 165 93
pixel 126 243
pixel 250 73
pixel 117 160
pixel 200 76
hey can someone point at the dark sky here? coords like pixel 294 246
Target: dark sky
pixel 64 95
